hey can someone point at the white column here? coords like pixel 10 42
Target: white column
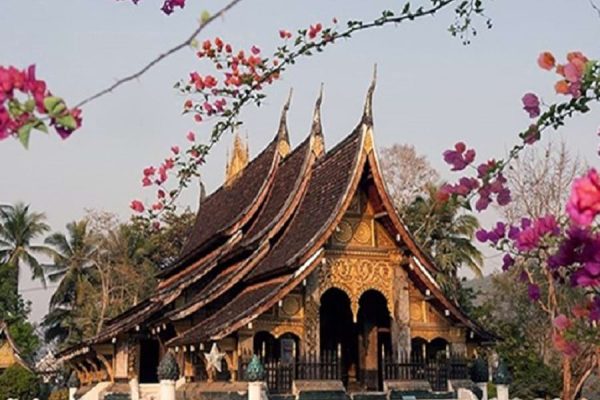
pixel 483 387
pixel 134 388
pixel 72 392
pixel 167 389
pixel 256 391
pixel 502 392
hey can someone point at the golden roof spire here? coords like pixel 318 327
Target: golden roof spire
pixel 238 160
pixel 317 140
pixel 283 137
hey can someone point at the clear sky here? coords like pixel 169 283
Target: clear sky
pixel 431 92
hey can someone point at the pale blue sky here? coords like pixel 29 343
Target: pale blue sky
pixel 432 90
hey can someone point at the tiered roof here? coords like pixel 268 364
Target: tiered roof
pixel 261 234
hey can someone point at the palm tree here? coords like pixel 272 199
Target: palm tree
pixel 442 229
pixel 73 261
pixel 18 228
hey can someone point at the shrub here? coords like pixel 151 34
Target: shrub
pixel 168 368
pixel 20 383
pixel 60 394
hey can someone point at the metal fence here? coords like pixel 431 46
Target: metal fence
pixel 436 370
pixel 279 375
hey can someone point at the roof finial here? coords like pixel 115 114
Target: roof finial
pixel 283 136
pixel 316 131
pixel 238 160
pixel 368 110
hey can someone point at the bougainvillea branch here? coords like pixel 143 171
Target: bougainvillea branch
pixel 554 250
pixel 27 104
pixel 244 74
pixel 579 80
pixel 206 20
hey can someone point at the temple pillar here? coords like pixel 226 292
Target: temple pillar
pixel 121 362
pixel 400 323
pixel 312 301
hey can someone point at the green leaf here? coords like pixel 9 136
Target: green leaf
pixel 204 17
pixel 24 133
pixel 29 105
pixel 54 105
pixel 68 121
pixel 40 126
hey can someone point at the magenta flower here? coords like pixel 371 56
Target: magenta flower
pixel 460 157
pixel 531 104
pixel 584 202
pixel 533 291
pixel 507 262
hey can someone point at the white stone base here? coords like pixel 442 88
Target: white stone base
pixel 167 390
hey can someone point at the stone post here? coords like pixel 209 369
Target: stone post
pixel 167 389
pixel 255 374
pixel 502 392
pixel 134 388
pixel 502 379
pixel 73 383
pixel 168 373
pixel 480 375
pixel 483 387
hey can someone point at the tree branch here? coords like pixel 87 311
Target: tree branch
pixel 161 57
pixel 595 7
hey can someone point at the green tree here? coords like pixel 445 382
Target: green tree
pixel 19 227
pixel 526 343
pixel 18 383
pixel 446 231
pixel 73 262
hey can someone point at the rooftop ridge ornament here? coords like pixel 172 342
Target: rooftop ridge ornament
pixel 317 140
pixel 367 117
pixel 283 137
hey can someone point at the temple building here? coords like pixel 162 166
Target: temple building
pixel 300 258
pixel 9 352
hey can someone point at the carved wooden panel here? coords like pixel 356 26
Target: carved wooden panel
pixel 355 276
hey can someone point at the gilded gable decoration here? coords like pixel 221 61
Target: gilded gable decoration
pixel 238 160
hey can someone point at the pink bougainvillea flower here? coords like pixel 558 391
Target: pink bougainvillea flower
pixel 191 136
pixel 531 104
pixel 546 60
pixel 562 323
pixel 566 347
pixel 284 34
pixel 255 50
pixel 137 206
pixel 149 171
pixel 175 149
pixel 562 87
pixel 314 30
pixel 584 201
pixel 146 181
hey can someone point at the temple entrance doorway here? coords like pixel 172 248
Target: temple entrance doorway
pixel 374 339
pixel 338 333
pixel 149 359
pixel 362 345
